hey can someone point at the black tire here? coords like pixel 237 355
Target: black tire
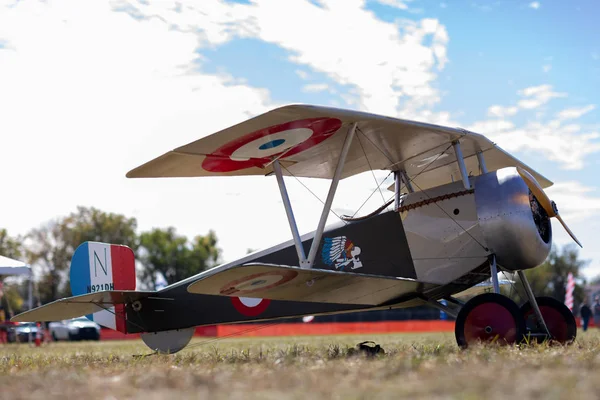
pixel 489 317
pixel 559 319
pixel 54 337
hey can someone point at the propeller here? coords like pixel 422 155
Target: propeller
pixel 548 205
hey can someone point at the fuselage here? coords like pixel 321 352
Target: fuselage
pixel 442 237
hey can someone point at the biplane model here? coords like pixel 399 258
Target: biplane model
pixel 463 210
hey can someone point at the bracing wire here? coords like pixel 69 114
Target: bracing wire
pixel 313 193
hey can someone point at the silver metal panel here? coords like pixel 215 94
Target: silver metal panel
pixel 506 220
pixel 444 245
pixel 278 282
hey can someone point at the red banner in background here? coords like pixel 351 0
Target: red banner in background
pixel 301 329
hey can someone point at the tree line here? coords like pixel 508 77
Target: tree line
pixel 48 250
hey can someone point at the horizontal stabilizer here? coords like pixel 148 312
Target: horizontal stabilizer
pixel 78 306
pixel 280 282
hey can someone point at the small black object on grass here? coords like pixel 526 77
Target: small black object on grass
pixel 369 350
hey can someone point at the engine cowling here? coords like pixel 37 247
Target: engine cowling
pixel 514 225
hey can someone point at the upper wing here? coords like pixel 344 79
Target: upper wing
pixel 308 140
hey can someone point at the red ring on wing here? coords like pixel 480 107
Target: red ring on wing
pixel 230 289
pixel 250 311
pixel 220 159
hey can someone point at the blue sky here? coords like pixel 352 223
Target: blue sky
pixel 131 80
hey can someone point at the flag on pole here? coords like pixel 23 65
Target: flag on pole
pixel 569 294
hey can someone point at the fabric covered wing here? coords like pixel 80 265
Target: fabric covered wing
pixel 77 306
pixel 308 139
pixel 278 282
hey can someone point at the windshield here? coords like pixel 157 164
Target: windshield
pixel 80 319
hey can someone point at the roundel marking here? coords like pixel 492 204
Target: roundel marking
pixel 257 282
pixel 256 148
pixel 250 307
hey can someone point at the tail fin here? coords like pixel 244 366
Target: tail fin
pixel 98 267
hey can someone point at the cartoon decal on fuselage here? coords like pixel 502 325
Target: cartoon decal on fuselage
pixel 341 252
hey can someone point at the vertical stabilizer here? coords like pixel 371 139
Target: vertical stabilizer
pixel 97 267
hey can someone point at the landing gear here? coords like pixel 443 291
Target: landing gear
pixel 492 317
pixel 489 317
pixel 558 318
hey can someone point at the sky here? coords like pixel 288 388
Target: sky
pixel 91 89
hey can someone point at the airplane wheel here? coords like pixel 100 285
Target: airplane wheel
pixel 559 320
pixel 489 317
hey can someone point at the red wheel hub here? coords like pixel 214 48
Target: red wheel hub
pixel 556 323
pixel 490 322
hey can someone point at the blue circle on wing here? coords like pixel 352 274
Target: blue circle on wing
pixel 272 144
pixel 259 282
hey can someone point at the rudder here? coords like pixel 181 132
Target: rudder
pixel 98 267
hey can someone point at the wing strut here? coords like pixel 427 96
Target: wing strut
pixel 307 262
pixel 461 164
pixel 288 210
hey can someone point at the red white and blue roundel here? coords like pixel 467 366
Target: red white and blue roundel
pixel 257 148
pixel 250 306
pixel 257 282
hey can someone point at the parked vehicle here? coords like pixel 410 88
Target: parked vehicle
pixel 74 329
pixel 20 332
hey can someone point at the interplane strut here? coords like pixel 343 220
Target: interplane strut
pixel 304 261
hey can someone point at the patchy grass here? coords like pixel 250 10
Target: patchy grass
pixel 415 366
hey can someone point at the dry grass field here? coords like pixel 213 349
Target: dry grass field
pixel 415 366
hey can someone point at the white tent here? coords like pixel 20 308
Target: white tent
pixel 8 266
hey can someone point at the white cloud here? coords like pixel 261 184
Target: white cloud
pixel 491 127
pixel 88 94
pixel 302 74
pixel 499 111
pixel 546 68
pixel 535 5
pixel 315 87
pixel 399 4
pixel 567 144
pixel 579 207
pixel 396 75
pixel 537 96
pixel 575 201
pixel 574 113
pixel 85 103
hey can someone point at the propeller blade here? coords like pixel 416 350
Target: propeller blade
pixel 538 192
pixel 548 205
pixel 568 230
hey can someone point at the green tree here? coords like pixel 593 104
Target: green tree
pixel 52 245
pixel 550 278
pixel 174 256
pixel 10 247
